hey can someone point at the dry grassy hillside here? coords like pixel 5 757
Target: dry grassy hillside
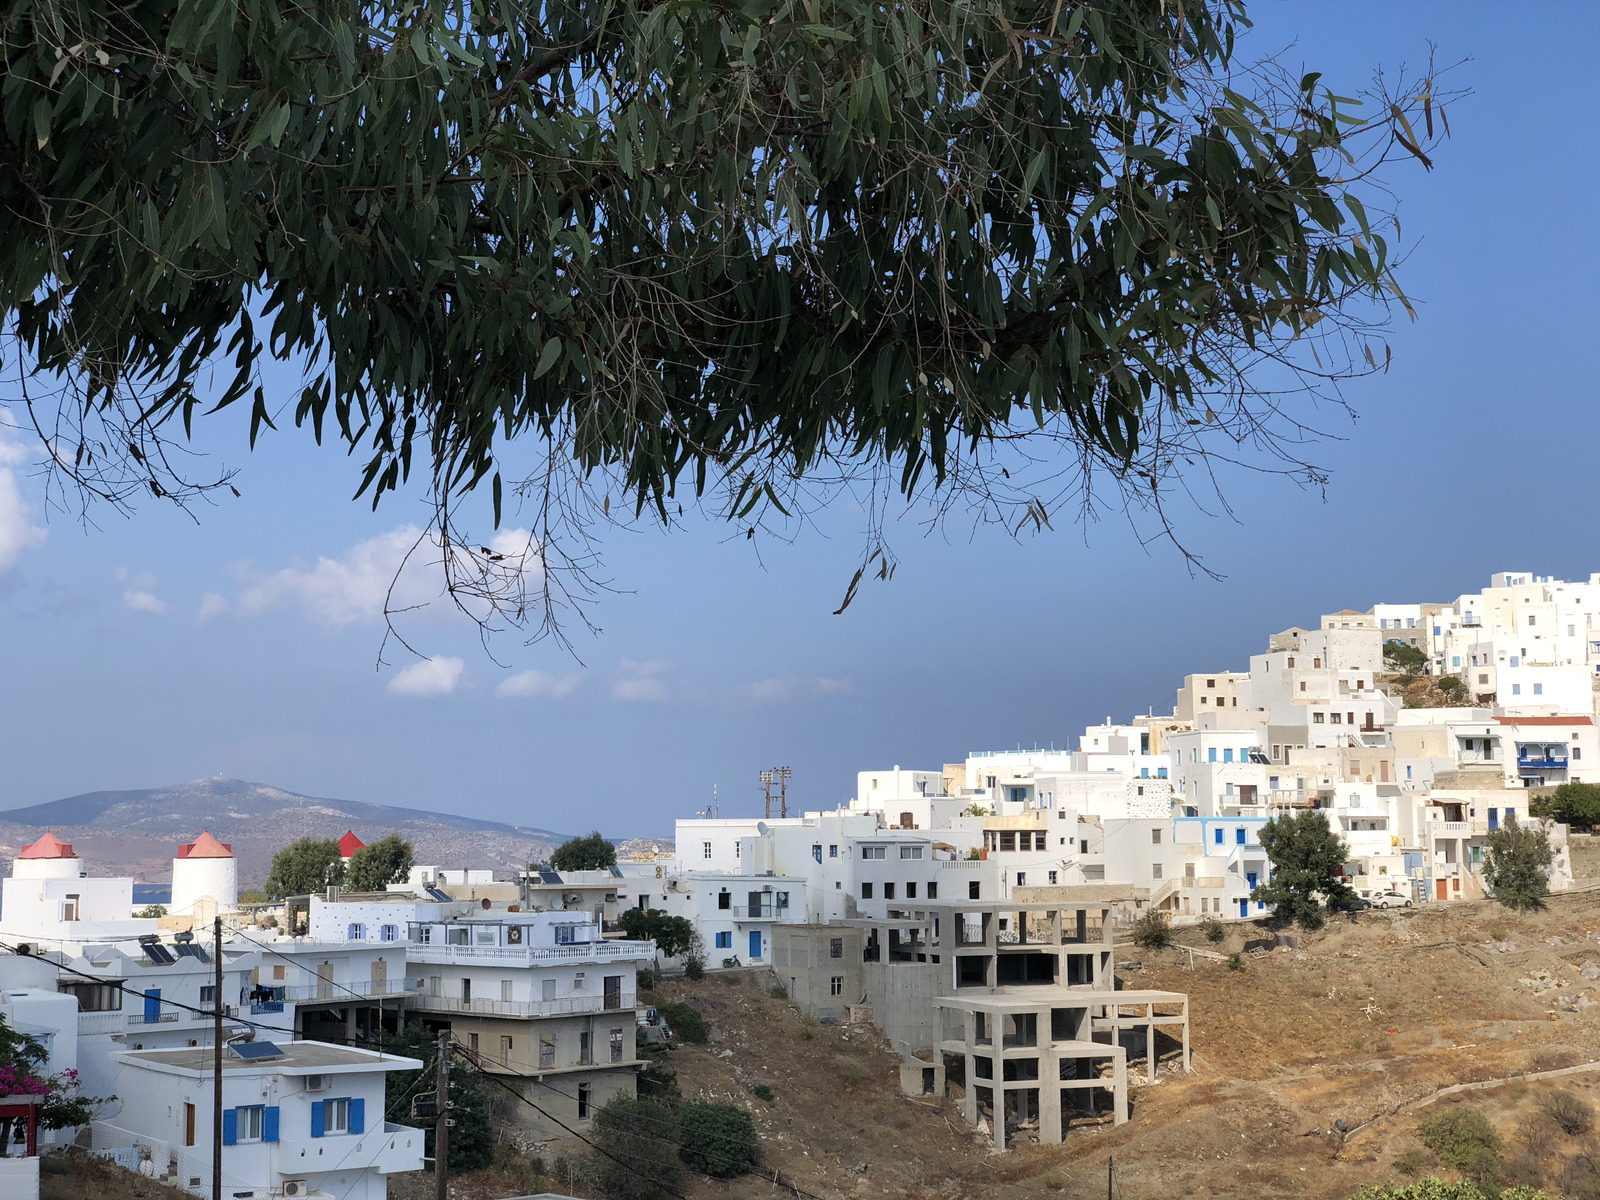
pixel 1366 1023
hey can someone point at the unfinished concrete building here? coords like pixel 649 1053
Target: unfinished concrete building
pixel 820 967
pixel 1018 1000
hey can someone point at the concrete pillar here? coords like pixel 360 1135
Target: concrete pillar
pixel 1119 1094
pixel 350 1023
pixel 999 1093
pixel 1186 1064
pixel 1049 1096
pixel 1150 1039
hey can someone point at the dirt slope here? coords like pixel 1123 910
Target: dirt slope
pixel 1365 1023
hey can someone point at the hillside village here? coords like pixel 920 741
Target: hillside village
pixel 965 924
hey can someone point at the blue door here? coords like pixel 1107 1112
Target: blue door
pixel 1250 877
pixel 152 1006
pixel 1494 818
pixel 1244 908
pixel 755 944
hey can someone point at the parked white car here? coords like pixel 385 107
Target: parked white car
pixel 1390 900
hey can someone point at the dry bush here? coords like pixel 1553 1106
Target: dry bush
pixel 1569 1111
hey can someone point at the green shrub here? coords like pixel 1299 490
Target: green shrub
pixel 686 1023
pixel 645 980
pixel 656 1082
pixel 1440 1189
pixel 717 1140
pixel 1235 962
pixel 1152 930
pixel 636 1159
pixel 762 1092
pixel 1214 930
pixel 1463 1139
pixel 1411 1163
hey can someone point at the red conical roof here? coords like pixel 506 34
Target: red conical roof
pixel 350 843
pixel 49 846
pixel 205 846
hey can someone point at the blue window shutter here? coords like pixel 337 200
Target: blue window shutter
pixel 318 1118
pixel 230 1126
pixel 358 1115
pixel 269 1123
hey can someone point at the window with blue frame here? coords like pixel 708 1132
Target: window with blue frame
pixel 1538 689
pixel 1161 772
pixel 1516 661
pixel 816 851
pixel 1516 689
pixel 1144 772
pixel 1227 756
pixel 724 940
pixel 1436 631
pixel 1272 782
pixel 1455 660
pixel 833 851
pixel 1211 754
pixel 331 1118
pixel 252 1123
pixel 1219 837
pixel 1238 837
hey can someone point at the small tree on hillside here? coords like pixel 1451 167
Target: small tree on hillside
pixel 304 867
pixel 592 853
pixel 638 1153
pixel 1450 685
pixel 1402 657
pixel 1307 860
pixel 1571 804
pixel 471 1133
pixel 672 935
pixel 1515 863
pixel 373 868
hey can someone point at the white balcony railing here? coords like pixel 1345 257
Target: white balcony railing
pixel 1451 828
pixel 428 952
pixel 365 989
pixel 90 1023
pixel 565 1006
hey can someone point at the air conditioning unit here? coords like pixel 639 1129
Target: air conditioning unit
pixel 316 1083
pixel 296 1187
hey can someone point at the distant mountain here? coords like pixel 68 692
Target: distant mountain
pixel 137 832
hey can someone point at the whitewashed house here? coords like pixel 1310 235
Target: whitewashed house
pixel 299 1119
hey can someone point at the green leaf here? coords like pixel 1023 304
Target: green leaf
pixel 547 357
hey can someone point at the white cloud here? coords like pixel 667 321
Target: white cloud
pixel 402 568
pixel 640 680
pixel 212 605
pixel 787 689
pixel 17 532
pixel 428 678
pixel 140 600
pixel 336 592
pixel 537 683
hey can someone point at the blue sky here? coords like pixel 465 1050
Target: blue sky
pixel 1473 454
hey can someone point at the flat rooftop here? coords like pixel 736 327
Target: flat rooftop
pixel 1055 997
pixel 297 1058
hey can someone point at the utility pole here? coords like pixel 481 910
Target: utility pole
pixel 441 1127
pixel 216 1065
pixel 1111 1165
pixel 779 776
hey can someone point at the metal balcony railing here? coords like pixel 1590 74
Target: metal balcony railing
pixel 428 952
pixel 564 1006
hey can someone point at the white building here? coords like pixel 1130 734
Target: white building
pixel 299 1119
